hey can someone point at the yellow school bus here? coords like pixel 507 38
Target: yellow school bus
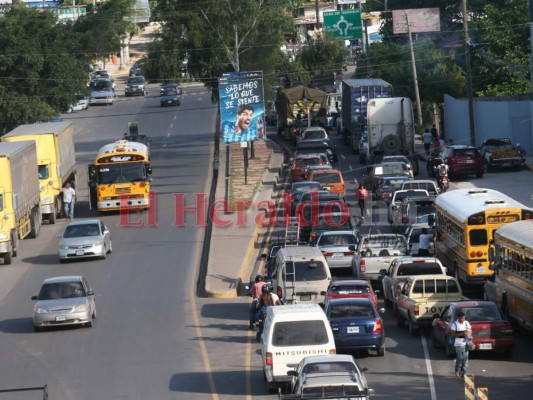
pixel 119 179
pixel 466 221
pixel 511 286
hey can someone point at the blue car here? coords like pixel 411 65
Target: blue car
pixel 356 325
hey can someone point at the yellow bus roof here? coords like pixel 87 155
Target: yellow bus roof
pixel 123 147
pixel 462 203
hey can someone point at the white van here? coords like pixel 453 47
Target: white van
pixel 301 274
pixel 291 333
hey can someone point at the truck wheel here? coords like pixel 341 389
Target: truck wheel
pixel 52 217
pixel 34 228
pixel 381 351
pixel 7 258
pixel 15 243
pixel 391 144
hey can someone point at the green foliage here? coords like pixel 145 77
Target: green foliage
pixel 323 57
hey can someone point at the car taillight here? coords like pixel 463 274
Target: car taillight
pixel 332 351
pixel 327 254
pixel 417 310
pixel 293 198
pixel 387 195
pixel 279 292
pixel 362 266
pixel 268 359
pixel 349 253
pixel 404 219
pixel 313 236
pixel 378 327
pixel 474 254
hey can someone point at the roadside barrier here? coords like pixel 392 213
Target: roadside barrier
pixel 471 393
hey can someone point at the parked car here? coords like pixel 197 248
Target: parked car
pixel 82 103
pixel 333 375
pixel 499 153
pixel 64 300
pixel 490 331
pixel 136 85
pixel 85 239
pixel 356 325
pixel 170 97
pixel 334 245
pixel 357 288
pixel 461 160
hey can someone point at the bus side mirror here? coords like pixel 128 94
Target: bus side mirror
pixel 491 254
pixel 149 170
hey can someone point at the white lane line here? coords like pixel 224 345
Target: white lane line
pixel 344 158
pixel 175 116
pixel 165 145
pixel 350 167
pixel 168 134
pixel 172 125
pixel 429 369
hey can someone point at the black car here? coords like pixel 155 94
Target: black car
pixel 137 69
pixel 136 85
pixel 318 146
pixel 169 86
pixel 170 97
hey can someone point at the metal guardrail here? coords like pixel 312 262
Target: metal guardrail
pixel 29 389
pixel 471 393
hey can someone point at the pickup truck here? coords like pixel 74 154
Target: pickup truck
pixel 375 252
pixel 423 296
pixel 404 267
pixel 500 153
pixel 395 211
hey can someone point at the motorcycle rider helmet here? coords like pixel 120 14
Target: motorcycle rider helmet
pixel 259 278
pixel 268 288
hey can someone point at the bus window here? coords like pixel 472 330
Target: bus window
pixel 478 237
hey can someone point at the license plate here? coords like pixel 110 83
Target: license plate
pixel 60 318
pixel 352 329
pixel 305 297
pixel 485 346
pixel 338 254
pixel 169 101
pixel 480 269
pixel 80 252
pixel 469 161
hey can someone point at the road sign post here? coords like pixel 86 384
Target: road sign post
pixel 345 24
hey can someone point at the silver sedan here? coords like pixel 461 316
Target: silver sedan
pixel 83 239
pixel 335 246
pixel 64 300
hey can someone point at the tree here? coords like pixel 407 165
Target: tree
pixel 323 58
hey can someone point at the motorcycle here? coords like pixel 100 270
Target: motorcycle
pixel 443 183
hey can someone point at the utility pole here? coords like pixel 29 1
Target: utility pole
pixel 415 76
pixel 531 38
pixel 317 12
pixel 468 67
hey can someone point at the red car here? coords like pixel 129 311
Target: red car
pixel 490 331
pixel 461 159
pixel 299 166
pixel 350 289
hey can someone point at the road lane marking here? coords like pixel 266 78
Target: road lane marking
pixel 205 357
pixel 344 158
pixel 350 167
pixel 172 125
pixel 168 134
pixel 429 369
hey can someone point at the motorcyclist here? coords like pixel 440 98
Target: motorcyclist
pixel 255 292
pixel 267 299
pixel 442 171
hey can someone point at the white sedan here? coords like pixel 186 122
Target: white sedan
pixel 82 104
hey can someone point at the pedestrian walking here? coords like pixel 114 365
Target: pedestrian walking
pixel 362 194
pixel 434 133
pixel 69 198
pixel 462 332
pixel 426 139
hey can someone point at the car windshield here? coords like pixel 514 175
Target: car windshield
pixel 314 135
pixel 349 389
pixel 319 197
pixel 335 222
pixel 61 290
pixel 121 173
pixel 337 240
pixel 44 172
pixel 482 313
pixel 394 184
pixel 346 310
pixel 498 142
pixel 305 271
pixel 399 196
pixel 327 177
pixel 306 162
pixel 170 92
pixel 136 79
pixel 465 152
pixel 101 85
pixel 305 187
pixel 81 230
pixel 299 333
pixel 326 367
pixel 350 289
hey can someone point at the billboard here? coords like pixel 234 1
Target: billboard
pixel 420 20
pixel 345 24
pixel 242 108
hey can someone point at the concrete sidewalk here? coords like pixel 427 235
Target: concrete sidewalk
pixel 234 248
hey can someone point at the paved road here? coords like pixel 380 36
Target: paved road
pixel 144 344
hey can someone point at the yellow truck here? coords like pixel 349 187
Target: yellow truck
pixel 20 215
pixel 55 158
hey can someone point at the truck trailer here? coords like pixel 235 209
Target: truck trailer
pixel 20 215
pixel 56 160
pixel 355 95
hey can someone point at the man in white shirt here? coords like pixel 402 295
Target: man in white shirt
pixel 424 242
pixel 461 330
pixel 69 198
pixel 426 139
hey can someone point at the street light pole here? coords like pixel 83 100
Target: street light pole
pixel 468 67
pixel 415 75
pixel 531 38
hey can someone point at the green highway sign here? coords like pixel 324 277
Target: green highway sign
pixel 345 24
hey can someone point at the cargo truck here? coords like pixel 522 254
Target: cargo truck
pixel 355 95
pixel 20 216
pixel 56 160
